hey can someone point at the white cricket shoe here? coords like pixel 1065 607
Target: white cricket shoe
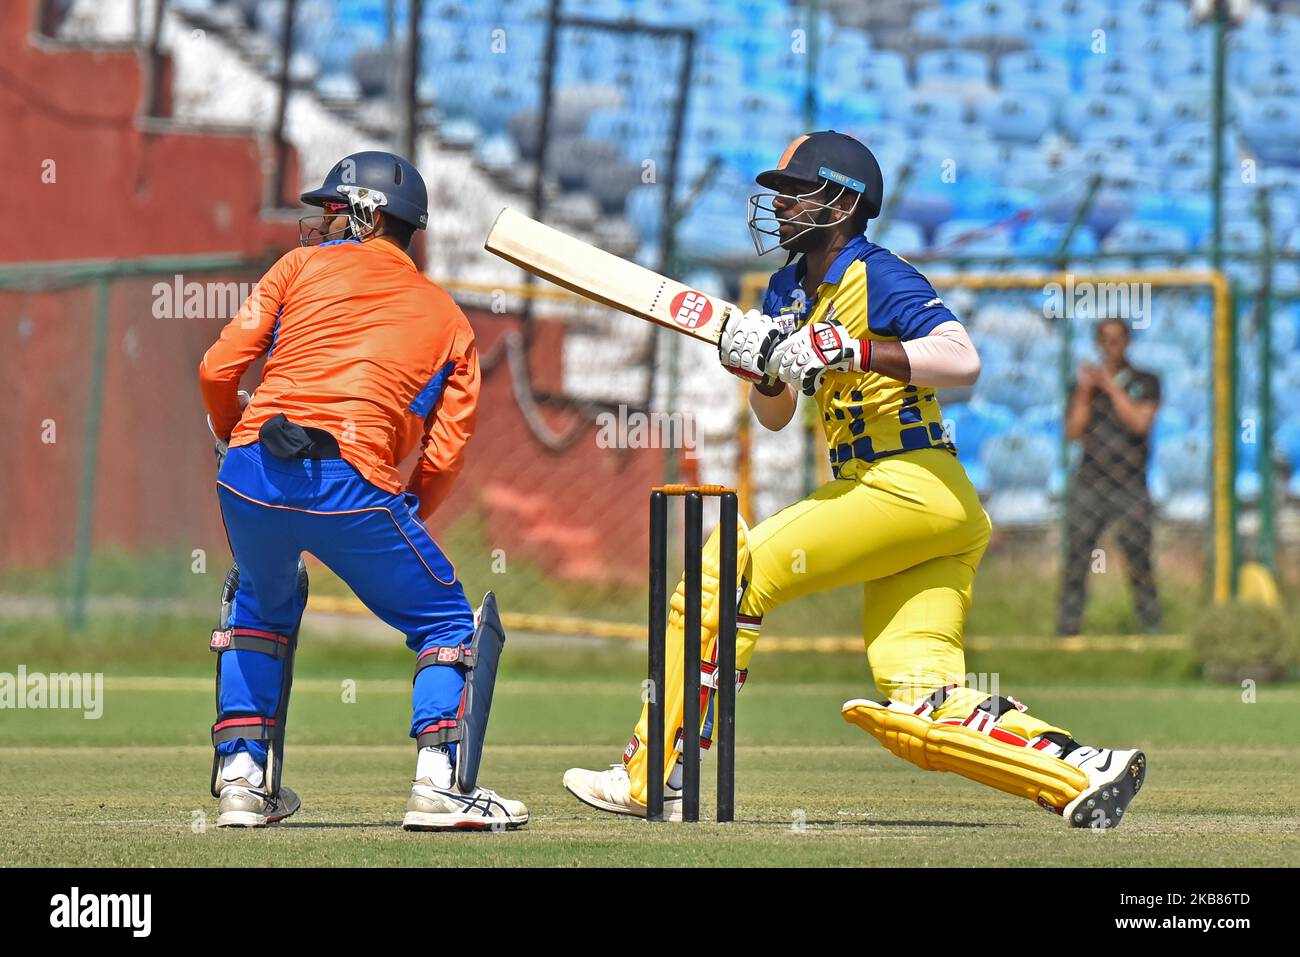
pixel 1114 779
pixel 242 805
pixel 441 809
pixel 610 790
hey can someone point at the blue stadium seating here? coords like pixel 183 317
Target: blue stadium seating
pixel 1017 94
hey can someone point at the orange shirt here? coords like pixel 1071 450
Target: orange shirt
pixel 361 345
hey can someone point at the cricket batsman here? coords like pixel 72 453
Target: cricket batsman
pixel 860 331
pixel 365 360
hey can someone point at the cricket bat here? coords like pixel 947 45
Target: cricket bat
pixel 605 278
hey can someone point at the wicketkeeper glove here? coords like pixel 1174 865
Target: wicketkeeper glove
pixel 221 446
pixel 745 344
pixel 806 356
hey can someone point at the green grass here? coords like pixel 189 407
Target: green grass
pixel 131 787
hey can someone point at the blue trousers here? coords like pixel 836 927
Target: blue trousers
pixel 275 509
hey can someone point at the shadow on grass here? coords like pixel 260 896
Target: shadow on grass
pixel 842 823
pixel 337 825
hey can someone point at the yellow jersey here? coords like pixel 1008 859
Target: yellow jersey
pixel 875 295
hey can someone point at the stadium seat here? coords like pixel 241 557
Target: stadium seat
pixel 952 21
pixel 1286 281
pixel 925 208
pixel 1256 73
pixel 971 424
pixel 338 88
pixel 899 237
pixel 1177 62
pixel 960 237
pixel 1019 467
pixel 1166 360
pixel 1288 443
pixel 1006 207
pixel 1136 236
pixel 998 17
pixel 644 210
pixel 1243 236
pixel 1169 424
pixel 1027 71
pixel 1021 385
pixel 1272 128
pixel 1183 461
pixel 919 112
pixel 1016 117
pixel 1126 137
pixel 1045 419
pixel 497 153
pixel 709 234
pixel 954 156
pixel 635 134
pixel 956 70
pixel 1131 72
pixel 1082 112
pixel 1074 16
pixel 1009 321
pixel 1043 238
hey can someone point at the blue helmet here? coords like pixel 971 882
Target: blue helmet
pixel 362 184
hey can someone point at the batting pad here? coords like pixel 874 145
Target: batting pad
pixel 636 757
pixel 972 754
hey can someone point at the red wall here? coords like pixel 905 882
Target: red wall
pixel 579 513
pixel 118 190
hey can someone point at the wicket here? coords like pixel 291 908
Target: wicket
pixel 724 717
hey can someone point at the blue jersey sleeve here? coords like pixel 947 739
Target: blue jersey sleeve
pixel 902 302
pixel 779 287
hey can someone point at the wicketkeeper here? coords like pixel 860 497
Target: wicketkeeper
pixel 860 331
pixel 365 360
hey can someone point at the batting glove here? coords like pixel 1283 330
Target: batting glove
pixel 745 344
pixel 805 357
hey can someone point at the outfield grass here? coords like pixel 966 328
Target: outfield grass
pixel 131 787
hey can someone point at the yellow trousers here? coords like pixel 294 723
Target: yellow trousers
pixel 910 528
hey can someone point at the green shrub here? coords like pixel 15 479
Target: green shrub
pixel 1237 641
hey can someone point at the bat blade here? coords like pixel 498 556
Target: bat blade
pixel 605 278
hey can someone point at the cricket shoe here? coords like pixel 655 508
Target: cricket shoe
pixel 1114 779
pixel 438 809
pixel 611 790
pixel 242 805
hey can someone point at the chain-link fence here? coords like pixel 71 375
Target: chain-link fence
pixel 110 496
pixel 109 489
pixel 109 484
pixel 1090 435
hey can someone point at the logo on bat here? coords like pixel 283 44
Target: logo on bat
pixel 690 309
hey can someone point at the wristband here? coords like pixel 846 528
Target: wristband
pixel 770 390
pixel 864 355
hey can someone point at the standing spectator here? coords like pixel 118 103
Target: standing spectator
pixel 1112 408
